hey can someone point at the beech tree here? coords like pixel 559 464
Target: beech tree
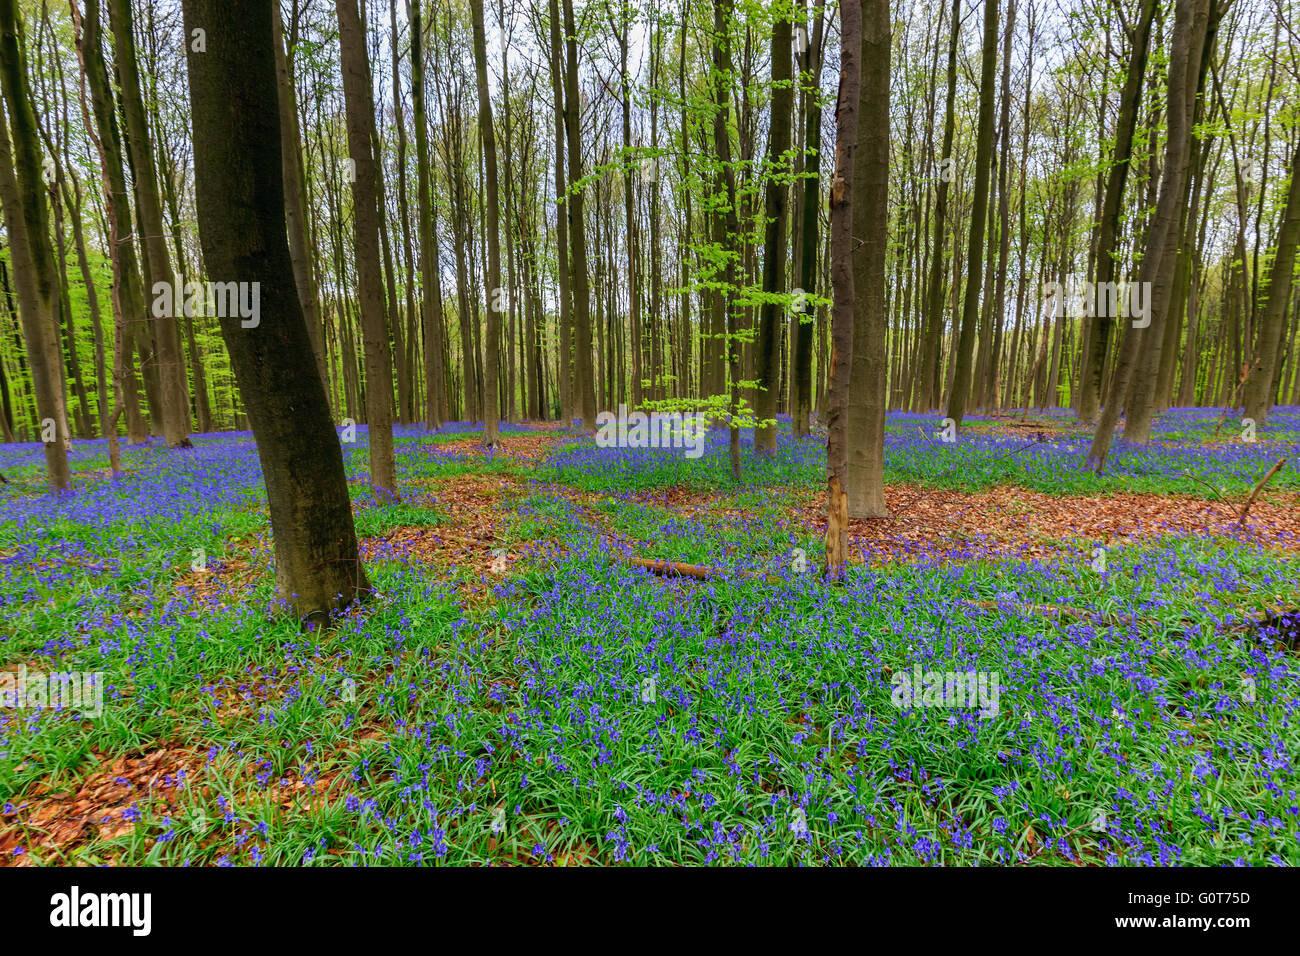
pixel 960 393
pixel 491 407
pixel 159 277
pixel 366 224
pixel 1261 387
pixel 842 286
pixel 868 380
pixel 27 221
pixel 242 226
pixel 775 235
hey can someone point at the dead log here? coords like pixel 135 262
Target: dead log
pixel 673 569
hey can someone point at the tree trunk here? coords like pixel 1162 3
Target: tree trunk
pixel 979 209
pixel 239 191
pixel 495 293
pixel 726 224
pixel 1142 390
pixel 159 277
pixel 868 377
pixel 128 291
pixel 28 223
pixel 768 356
pixel 300 251
pixel 931 367
pixel 565 309
pixel 366 225
pixel 1112 207
pixel 430 273
pixel 1189 31
pixel 803 318
pixel 1261 388
pixel 842 287
pixel 578 281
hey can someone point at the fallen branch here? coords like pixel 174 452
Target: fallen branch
pixel 1213 490
pixel 1241 522
pixel 674 569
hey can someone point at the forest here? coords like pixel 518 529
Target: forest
pixel 649 432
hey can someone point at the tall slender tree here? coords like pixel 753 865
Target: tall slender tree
pixel 961 384
pixel 933 315
pixel 1261 387
pixel 238 178
pixel 775 233
pixel 868 379
pixel 359 105
pixel 496 293
pixel 27 220
pixel 431 312
pixel 801 323
pixel 1108 235
pixel 579 282
pixel 842 287
pixel 159 277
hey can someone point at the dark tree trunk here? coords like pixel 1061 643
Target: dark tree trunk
pixel 300 250
pixel 28 223
pixel 868 377
pixel 240 198
pixel 931 367
pixel 175 400
pixel 366 225
pixel 842 287
pixel 491 406
pixel 430 273
pixel 726 224
pixel 585 380
pixel 803 319
pixel 1112 206
pixel 1189 32
pixel 1261 387
pixel 979 210
pixel 769 353
pixel 565 308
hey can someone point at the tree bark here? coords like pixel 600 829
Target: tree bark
pixel 979 209
pixel 931 367
pixel 239 190
pixel 491 407
pixel 1261 387
pixel 159 277
pixel 300 250
pixel 358 104
pixel 1190 22
pixel 868 378
pixel 585 381
pixel 1112 207
pixel 431 311
pixel 842 287
pixel 28 223
pixel 802 321
pixel 769 354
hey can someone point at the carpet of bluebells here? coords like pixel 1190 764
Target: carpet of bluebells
pixel 475 718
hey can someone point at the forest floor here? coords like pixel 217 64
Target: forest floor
pixel 520 691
